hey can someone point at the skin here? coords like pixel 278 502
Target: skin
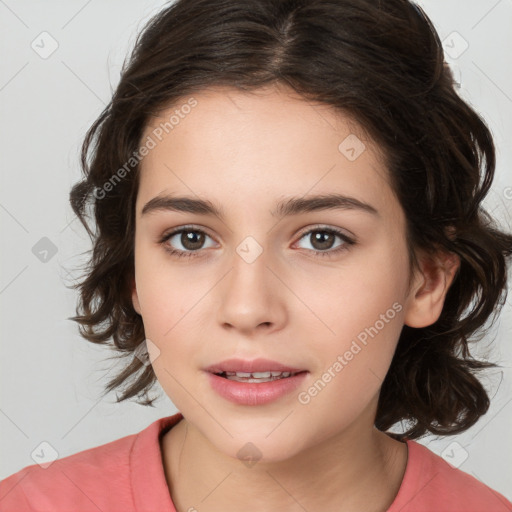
pixel 245 152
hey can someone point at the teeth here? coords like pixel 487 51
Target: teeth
pixel 256 376
pixel 259 375
pixel 239 374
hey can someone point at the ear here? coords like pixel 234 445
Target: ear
pixel 426 297
pixel 135 297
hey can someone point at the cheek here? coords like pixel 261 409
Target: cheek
pixel 359 294
pixel 163 292
pixel 364 310
pixel 171 306
pixel 353 368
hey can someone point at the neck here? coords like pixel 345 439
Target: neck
pixel 358 469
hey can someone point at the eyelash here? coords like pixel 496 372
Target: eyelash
pixel 188 254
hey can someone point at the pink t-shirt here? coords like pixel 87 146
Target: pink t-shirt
pixel 127 475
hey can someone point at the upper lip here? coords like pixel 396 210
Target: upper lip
pixel 251 366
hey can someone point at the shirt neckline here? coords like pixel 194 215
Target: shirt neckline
pixel 150 490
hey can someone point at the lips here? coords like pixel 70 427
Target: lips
pixel 251 366
pixel 256 393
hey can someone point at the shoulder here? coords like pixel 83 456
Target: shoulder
pixel 75 480
pixel 431 483
pixel 99 478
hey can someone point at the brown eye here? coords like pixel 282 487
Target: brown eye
pixel 192 240
pixel 189 242
pixel 323 240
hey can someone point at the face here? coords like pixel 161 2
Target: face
pixel 321 289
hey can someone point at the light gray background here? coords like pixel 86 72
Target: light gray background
pixel 51 379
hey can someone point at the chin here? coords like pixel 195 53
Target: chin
pixel 258 450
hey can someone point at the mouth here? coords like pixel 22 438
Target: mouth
pixel 255 377
pixel 255 383
pixel 253 370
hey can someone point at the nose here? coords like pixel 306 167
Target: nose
pixel 252 297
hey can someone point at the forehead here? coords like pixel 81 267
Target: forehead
pixel 219 109
pixel 271 143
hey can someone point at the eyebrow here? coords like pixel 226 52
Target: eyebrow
pixel 285 208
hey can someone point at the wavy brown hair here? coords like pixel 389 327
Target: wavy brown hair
pixel 382 64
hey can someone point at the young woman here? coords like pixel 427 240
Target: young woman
pixel 290 239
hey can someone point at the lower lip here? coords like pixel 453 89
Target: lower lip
pixel 255 393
